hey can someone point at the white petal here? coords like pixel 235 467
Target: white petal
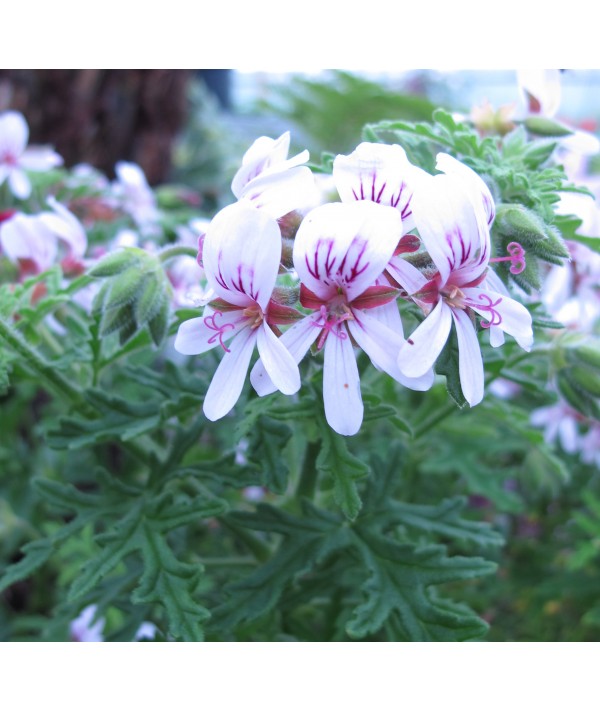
pixel 14 133
pixel 382 345
pixel 278 361
pixel 19 184
pixel 544 86
pixel 262 154
pixel 345 246
pixel 40 159
pixel 228 381
pixel 470 364
pixel 480 192
pixel 64 224
pixel 455 232
pixel 502 311
pixel 379 173
pixel 341 384
pixel 408 276
pixel 297 340
pixel 213 328
pixel 280 192
pixel 26 237
pixel 419 352
pixel 241 254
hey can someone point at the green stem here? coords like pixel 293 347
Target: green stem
pixel 307 483
pixel 177 251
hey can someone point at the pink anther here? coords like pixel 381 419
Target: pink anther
pixel 327 323
pixel 517 258
pixel 209 322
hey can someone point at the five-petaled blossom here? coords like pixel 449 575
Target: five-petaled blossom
pixel 241 255
pixel 453 212
pixel 340 252
pixel 16 158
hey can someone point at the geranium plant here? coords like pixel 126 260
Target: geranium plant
pixel 298 418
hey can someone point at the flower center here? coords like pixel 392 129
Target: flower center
pixel 330 317
pixel 453 296
pixel 255 314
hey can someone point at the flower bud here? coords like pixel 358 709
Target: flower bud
pixel 544 126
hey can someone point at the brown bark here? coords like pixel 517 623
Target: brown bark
pixel 101 116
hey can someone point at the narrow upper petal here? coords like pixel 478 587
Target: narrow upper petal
pixel 420 351
pixel 40 159
pixel 480 193
pixel 262 154
pixel 379 173
pixel 14 134
pixel 470 363
pixel 407 275
pixel 345 247
pixel 241 254
pixel 228 381
pixel 341 384
pixel 278 361
pixel 64 224
pixel 453 229
pixel 213 328
pixel 297 340
pixel 280 192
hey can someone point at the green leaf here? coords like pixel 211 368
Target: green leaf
pixel 344 468
pixel 397 587
pixel 170 583
pixel 36 554
pixel 265 450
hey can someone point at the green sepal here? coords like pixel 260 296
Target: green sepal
pixel 543 126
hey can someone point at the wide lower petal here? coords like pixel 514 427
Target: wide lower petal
pixel 470 363
pixel 502 312
pixel 297 340
pixel 228 381
pixel 341 384
pixel 278 361
pixel 19 184
pixel 213 328
pixel 420 351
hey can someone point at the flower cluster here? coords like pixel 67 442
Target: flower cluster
pixel 347 268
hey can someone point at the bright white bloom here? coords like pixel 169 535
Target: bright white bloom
pixel 241 255
pixel 82 629
pixel 33 240
pixel 16 158
pixel 135 196
pixel 540 90
pixel 272 181
pixel 340 251
pixel 452 212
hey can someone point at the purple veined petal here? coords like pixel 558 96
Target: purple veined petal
pixel 241 254
pixel 66 226
pixel 407 275
pixel 14 134
pixel 19 184
pixel 503 312
pixel 228 381
pixel 278 193
pixel 454 232
pixel 26 237
pixel 480 193
pixel 261 155
pixel 40 159
pixel 345 246
pixel 470 363
pixel 212 329
pixel 278 361
pixel 341 384
pixel 540 90
pixel 297 340
pixel 420 351
pixel 379 173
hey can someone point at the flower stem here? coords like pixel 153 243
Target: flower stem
pixel 179 250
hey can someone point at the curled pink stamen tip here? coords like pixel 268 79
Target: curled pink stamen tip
pixel 517 257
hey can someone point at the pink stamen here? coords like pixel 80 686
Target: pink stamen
pixel 517 258
pixel 209 322
pixel 495 319
pixel 327 324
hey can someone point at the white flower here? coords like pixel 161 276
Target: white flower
pixel 340 251
pixel 452 212
pixel 16 158
pixel 272 181
pixel 135 196
pixel 241 255
pixel 82 629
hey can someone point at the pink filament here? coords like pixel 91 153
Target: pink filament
pixel 209 322
pixel 517 258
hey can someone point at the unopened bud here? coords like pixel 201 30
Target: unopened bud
pixel 289 224
pixel 543 126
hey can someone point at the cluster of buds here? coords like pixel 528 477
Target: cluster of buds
pixel 396 233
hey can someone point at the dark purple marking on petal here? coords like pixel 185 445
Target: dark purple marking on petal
pixel 380 193
pixel 355 195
